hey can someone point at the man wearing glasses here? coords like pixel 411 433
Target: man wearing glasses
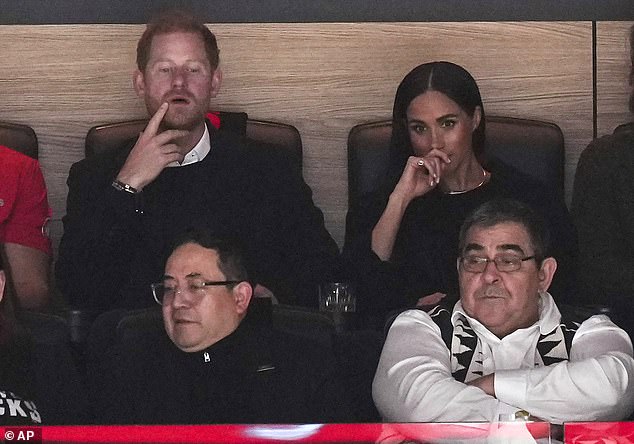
pixel 218 363
pixel 504 350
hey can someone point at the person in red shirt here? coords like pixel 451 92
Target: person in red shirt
pixel 24 213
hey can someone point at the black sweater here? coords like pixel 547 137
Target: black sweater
pixel 426 248
pixel 115 243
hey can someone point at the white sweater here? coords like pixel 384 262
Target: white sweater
pixel 414 383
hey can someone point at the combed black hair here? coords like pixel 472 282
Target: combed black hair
pixel 499 211
pixel 230 254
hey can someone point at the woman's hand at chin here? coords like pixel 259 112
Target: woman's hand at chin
pixel 420 175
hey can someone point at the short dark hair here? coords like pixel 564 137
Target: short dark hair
pixel 499 211
pixel 445 77
pixel 230 257
pixel 176 21
pixel 632 68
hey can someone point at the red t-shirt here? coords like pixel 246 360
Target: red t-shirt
pixel 24 209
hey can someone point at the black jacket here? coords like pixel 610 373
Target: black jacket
pixel 603 211
pixel 254 375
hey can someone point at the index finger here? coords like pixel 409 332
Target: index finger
pixel 440 154
pixel 153 125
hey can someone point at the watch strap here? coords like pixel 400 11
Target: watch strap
pixel 120 186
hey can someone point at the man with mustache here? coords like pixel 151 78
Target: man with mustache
pixel 124 209
pixel 504 349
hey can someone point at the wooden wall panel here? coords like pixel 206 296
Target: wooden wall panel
pixel 613 68
pixel 322 78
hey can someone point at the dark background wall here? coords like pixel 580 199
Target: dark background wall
pixel 297 11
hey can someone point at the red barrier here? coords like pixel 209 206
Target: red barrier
pixel 599 432
pixel 300 433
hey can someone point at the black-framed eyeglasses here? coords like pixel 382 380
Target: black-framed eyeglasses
pixel 164 291
pixel 505 263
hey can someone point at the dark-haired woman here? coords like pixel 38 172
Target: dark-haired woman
pixel 403 241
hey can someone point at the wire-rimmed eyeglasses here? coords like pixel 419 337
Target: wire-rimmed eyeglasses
pixel 165 291
pixel 505 263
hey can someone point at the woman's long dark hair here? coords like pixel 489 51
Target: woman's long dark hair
pixel 445 77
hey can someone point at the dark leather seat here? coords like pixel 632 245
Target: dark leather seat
pixel 46 328
pixel 133 326
pixel 305 322
pixel 57 372
pixel 106 137
pixel 533 147
pixel 21 138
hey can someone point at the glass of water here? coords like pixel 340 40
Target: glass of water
pixel 337 297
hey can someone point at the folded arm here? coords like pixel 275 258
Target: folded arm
pixel 413 382
pixel 596 384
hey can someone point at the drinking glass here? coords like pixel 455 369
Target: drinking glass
pixel 337 297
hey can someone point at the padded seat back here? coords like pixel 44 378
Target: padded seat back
pixel 140 326
pixel 137 326
pixel 533 147
pixel 305 322
pixel 57 369
pixel 102 138
pixel 46 328
pixel 21 138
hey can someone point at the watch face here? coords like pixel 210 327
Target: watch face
pixel 522 415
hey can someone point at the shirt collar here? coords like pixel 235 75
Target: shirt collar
pixel 198 152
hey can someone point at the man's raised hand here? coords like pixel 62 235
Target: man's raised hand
pixel 152 152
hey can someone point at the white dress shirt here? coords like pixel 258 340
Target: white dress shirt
pixel 414 382
pixel 197 153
